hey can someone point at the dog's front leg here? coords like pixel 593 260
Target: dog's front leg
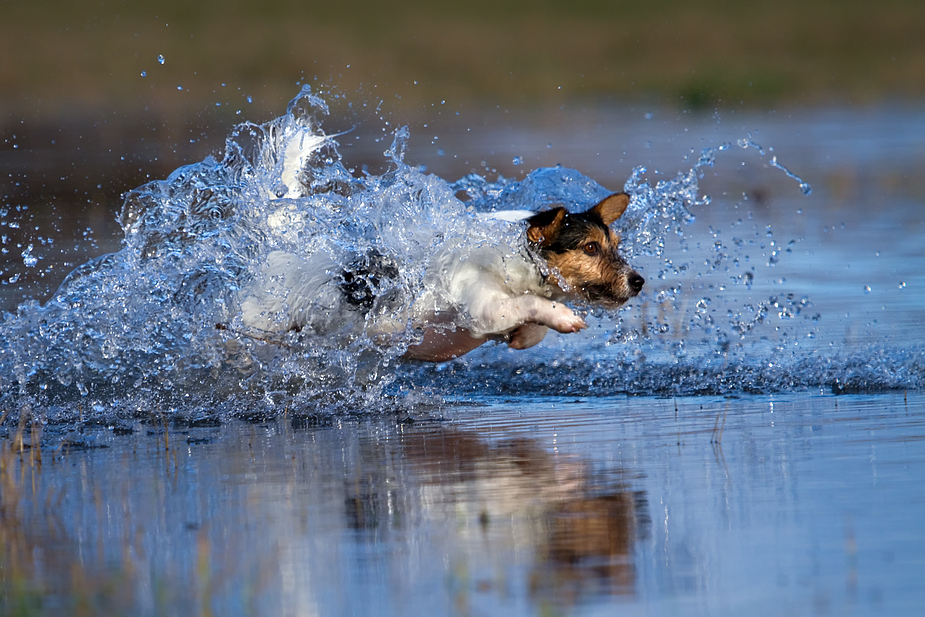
pixel 500 315
pixel 555 315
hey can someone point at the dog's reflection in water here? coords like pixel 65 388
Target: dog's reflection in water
pixel 503 499
pixel 590 543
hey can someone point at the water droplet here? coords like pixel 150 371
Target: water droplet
pixel 28 259
pixel 144 73
pixel 518 160
pixel 161 59
pixel 866 289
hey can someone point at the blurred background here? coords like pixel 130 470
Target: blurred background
pixel 108 74
pixel 99 97
pixel 173 58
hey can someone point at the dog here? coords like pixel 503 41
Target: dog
pixel 508 294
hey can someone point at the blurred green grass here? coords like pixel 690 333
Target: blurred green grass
pixel 58 55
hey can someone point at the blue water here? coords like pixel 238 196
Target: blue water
pixel 794 504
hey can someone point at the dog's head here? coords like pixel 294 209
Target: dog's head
pixel 583 250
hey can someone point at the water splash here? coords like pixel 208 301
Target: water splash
pixel 748 142
pixel 158 322
pixel 162 315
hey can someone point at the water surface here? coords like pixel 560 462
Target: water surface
pixel 767 505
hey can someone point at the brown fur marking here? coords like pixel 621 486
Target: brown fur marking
pixel 612 208
pixel 542 234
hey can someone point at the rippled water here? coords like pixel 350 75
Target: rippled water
pixel 768 505
pixel 745 437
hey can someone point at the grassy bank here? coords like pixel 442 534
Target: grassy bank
pixel 58 55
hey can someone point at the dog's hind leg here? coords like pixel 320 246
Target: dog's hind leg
pixel 527 336
pixel 440 344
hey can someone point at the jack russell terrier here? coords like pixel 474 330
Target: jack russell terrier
pixel 509 294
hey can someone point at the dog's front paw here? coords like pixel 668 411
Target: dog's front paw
pixel 563 319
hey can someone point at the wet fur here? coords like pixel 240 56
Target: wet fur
pixel 486 296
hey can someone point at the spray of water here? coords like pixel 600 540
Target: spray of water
pixel 159 322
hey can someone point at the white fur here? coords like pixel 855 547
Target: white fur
pixel 493 292
pixel 300 144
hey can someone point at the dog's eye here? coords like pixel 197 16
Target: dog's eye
pixel 592 248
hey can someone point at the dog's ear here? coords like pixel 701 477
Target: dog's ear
pixel 611 208
pixel 545 226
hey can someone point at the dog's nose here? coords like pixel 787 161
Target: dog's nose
pixel 636 282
